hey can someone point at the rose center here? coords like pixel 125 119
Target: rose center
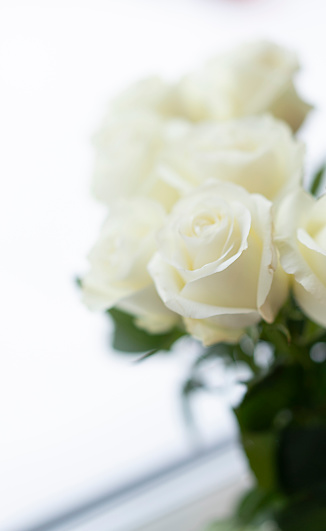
pixel 204 223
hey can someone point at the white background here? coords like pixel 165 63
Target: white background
pixel 75 418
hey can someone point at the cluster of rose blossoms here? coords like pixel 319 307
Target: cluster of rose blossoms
pixel 209 226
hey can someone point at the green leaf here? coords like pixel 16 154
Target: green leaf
pixel 259 504
pixel 230 353
pixel 278 335
pixel 260 449
pixel 302 457
pixel 313 333
pixel 219 350
pixel 304 514
pixel 127 337
pixel 251 504
pixel 317 381
pixel 279 390
pixel 317 180
pixel 265 409
pixel 144 357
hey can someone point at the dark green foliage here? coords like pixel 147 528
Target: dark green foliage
pixel 317 180
pixel 282 416
pixel 302 458
pixel 278 391
pixel 282 421
pixel 259 505
pixel 127 337
pixel 307 513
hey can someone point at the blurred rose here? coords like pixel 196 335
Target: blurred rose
pixel 251 79
pixel 167 159
pixel 150 117
pixel 129 147
pixel 259 153
pixel 216 262
pixel 301 239
pixel 118 273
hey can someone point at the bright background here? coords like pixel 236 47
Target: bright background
pixel 74 417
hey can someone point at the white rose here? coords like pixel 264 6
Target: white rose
pixel 126 147
pixel 118 273
pixel 301 239
pixel 149 117
pixel 259 153
pixel 250 79
pixel 166 159
pixel 128 151
pixel 216 262
pixel 136 127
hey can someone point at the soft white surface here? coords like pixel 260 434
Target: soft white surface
pixel 187 500
pixel 74 418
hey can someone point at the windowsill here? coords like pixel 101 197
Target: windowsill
pixel 188 495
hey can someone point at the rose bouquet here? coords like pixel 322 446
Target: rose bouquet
pixel 210 233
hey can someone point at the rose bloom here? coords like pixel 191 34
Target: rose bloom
pixel 259 153
pixel 118 275
pixel 251 79
pixel 146 119
pixel 129 149
pixel 138 124
pixel 301 239
pixel 216 263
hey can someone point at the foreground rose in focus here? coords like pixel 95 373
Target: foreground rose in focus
pixel 301 239
pixel 259 153
pixel 251 79
pixel 217 265
pixel 118 274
